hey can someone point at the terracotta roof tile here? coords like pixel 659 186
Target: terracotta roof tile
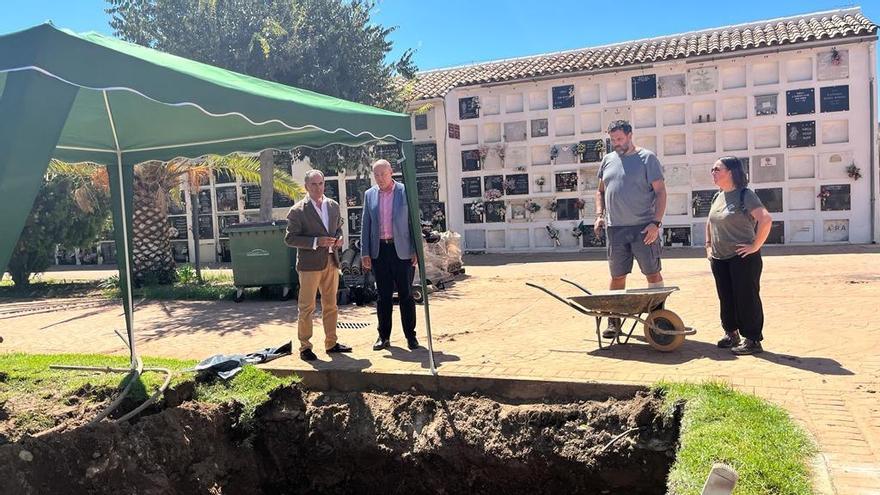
pixel 798 29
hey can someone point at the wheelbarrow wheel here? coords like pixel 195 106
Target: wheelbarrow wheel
pixel 418 295
pixel 666 320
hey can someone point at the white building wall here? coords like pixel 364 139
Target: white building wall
pixel 675 128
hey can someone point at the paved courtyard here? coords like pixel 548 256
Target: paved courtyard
pixel 822 337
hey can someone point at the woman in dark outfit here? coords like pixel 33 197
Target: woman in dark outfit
pixel 737 228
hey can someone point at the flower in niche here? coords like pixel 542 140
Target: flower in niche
pixel 854 172
pixel 579 203
pixel 501 151
pixel 483 152
pixel 553 233
pixel 492 194
pixel 532 206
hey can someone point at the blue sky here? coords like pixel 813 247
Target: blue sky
pixel 455 32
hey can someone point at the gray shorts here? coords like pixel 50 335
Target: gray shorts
pixel 626 243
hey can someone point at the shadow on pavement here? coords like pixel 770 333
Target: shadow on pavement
pixel 337 361
pixel 420 355
pixel 818 365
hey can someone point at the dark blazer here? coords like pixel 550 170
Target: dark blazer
pixel 304 225
pixel 403 242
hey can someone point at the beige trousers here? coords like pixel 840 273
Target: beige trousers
pixel 326 281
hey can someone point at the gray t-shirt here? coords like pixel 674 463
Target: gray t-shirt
pixel 729 225
pixel 629 197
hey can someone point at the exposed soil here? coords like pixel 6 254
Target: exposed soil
pixel 370 442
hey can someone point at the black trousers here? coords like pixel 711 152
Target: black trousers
pixel 393 273
pixel 738 281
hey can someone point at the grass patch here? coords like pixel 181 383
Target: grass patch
pixel 40 288
pixel 216 285
pixel 768 450
pixel 250 387
pixel 29 375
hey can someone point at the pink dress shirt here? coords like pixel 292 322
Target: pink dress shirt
pixel 386 201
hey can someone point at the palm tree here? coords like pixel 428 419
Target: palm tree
pixel 155 184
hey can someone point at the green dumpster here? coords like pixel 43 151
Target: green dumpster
pixel 261 259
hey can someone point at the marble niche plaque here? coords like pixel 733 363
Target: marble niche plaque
pixel 673 85
pixel 800 134
pixel 766 104
pixel 540 128
pixel 800 101
pixel 676 175
pixel 834 99
pixel 777 232
pixel 801 231
pixel 835 231
pixel 469 108
pixel 833 64
pixel 772 198
pixel 563 96
pixel 768 168
pixel 835 197
pixel 515 131
pixel 701 202
pixel 703 80
pixel 644 86
pixel 677 236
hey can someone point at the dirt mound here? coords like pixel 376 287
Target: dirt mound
pixel 371 442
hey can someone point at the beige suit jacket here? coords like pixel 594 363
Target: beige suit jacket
pixel 304 225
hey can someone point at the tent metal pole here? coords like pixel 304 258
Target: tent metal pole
pixel 126 255
pixel 416 232
pixel 129 308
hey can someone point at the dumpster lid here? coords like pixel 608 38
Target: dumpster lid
pixel 256 226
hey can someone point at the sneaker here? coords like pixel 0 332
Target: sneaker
pixel 613 329
pixel 748 346
pixel 730 340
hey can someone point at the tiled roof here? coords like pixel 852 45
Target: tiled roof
pixel 810 27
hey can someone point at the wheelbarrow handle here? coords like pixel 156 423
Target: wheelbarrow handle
pixel 557 296
pixel 576 285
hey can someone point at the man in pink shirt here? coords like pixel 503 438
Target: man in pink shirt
pixel 388 249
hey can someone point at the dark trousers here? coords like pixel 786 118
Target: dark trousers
pixel 738 281
pixel 393 273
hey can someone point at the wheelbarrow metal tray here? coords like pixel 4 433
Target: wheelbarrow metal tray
pixel 625 301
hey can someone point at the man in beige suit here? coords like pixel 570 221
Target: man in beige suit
pixel 314 227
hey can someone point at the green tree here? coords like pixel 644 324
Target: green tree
pixel 66 211
pixel 328 46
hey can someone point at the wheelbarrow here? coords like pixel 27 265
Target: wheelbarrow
pixel 663 329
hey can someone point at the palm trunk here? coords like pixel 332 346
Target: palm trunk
pixel 194 201
pixel 152 261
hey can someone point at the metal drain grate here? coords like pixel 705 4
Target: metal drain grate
pixel 352 325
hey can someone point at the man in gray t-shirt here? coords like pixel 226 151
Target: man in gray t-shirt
pixel 630 205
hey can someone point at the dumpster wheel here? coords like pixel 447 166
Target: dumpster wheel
pixel 238 296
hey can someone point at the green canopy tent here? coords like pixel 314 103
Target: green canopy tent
pixel 89 97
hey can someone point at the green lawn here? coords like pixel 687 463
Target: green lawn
pixel 29 375
pixel 768 450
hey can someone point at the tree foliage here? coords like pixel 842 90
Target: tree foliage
pixel 65 212
pixel 328 46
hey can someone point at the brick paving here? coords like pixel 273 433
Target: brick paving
pixel 821 338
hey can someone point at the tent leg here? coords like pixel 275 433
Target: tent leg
pixel 121 180
pixel 123 213
pixel 409 177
